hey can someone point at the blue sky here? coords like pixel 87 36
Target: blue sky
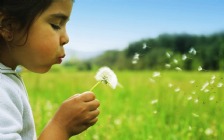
pixel 98 25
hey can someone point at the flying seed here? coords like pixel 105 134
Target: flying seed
pixel 184 57
pixel 200 68
pixel 144 46
pixel 195 115
pixel 178 69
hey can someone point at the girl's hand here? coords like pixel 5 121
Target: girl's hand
pixel 75 115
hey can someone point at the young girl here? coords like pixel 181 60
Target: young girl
pixel 33 34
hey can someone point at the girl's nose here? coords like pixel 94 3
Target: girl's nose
pixel 64 39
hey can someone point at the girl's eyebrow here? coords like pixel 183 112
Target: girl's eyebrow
pixel 60 16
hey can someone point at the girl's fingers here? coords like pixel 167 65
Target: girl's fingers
pixel 87 96
pixel 92 122
pixel 93 105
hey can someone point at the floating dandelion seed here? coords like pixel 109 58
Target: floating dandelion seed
pixel 192 51
pixel 220 85
pixel 208 131
pixel 175 61
pixel 167 65
pixel 144 46
pixel 168 55
pixel 213 77
pixel 189 98
pixel 152 80
pixel 192 81
pixel 177 90
pixel 189 128
pixel 212 81
pixel 135 58
pixel 154 101
pixel 193 92
pixel 170 85
pixel 96 137
pixel 106 76
pixel 212 98
pixel 206 90
pixel 155 112
pixel 134 61
pixel 184 57
pixel 156 74
pixel 195 115
pixel 178 69
pixel 204 86
pixel 117 122
pixel 200 68
pixel 196 101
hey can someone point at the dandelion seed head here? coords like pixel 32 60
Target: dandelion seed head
pixel 107 76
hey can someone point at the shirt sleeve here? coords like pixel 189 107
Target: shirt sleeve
pixel 11 120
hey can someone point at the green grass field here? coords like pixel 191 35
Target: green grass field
pixel 172 106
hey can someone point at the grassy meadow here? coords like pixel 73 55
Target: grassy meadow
pixel 168 105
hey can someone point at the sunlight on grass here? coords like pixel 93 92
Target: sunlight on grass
pixel 173 106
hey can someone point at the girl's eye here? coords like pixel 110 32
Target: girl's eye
pixel 55 27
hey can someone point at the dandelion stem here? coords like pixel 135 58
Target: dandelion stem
pixel 95 85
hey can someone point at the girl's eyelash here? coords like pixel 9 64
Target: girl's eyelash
pixel 56 27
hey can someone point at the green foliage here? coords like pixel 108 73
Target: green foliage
pixel 145 108
pixel 210 53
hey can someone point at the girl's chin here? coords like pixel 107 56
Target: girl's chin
pixel 41 70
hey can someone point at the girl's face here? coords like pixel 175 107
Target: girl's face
pixel 46 37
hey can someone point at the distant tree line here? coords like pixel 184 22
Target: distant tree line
pixel 167 51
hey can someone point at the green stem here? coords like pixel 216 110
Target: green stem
pixel 95 85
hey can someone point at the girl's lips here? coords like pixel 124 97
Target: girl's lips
pixel 60 59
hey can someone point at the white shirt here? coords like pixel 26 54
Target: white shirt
pixel 16 119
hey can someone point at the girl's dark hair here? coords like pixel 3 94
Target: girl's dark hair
pixel 23 12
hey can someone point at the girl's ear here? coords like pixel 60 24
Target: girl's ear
pixel 5 29
pixel 6 34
